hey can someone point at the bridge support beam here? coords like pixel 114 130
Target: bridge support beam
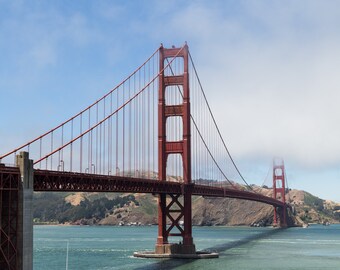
pixel 25 213
pixel 172 209
pixel 9 214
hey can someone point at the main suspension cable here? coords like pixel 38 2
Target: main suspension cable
pixel 218 130
pixel 201 136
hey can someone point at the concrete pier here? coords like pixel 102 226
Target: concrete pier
pixel 25 213
pixel 176 251
pixel 173 255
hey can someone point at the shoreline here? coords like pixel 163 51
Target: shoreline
pixel 151 225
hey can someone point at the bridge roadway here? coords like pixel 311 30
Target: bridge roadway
pixel 46 180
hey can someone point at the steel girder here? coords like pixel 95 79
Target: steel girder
pixel 9 208
pixel 45 180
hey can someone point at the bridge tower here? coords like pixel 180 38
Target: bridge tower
pixel 170 209
pixel 279 192
pixel 16 218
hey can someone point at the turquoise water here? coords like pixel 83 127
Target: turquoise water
pixel 317 247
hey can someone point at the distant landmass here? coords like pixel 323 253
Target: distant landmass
pixel 141 209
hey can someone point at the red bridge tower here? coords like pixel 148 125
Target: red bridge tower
pixel 170 209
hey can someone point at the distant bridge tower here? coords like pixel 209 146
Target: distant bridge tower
pixel 170 209
pixel 279 192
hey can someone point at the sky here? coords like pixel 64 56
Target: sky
pixel 270 70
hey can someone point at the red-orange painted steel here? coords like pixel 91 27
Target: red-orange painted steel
pixel 166 148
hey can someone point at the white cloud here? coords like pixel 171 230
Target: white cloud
pixel 274 86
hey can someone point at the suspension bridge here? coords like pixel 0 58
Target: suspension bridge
pixel 152 133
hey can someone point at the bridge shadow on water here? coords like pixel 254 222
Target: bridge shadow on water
pixel 168 264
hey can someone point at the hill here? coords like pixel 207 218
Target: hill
pixel 114 209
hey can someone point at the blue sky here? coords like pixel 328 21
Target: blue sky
pixel 269 68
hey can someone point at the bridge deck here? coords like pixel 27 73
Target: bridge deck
pixel 46 180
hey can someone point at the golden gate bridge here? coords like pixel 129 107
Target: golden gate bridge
pixel 152 133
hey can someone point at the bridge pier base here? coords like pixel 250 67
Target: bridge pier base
pixel 25 211
pixel 282 220
pixel 174 248
pixel 176 251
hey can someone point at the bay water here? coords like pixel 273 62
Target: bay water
pixel 112 247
